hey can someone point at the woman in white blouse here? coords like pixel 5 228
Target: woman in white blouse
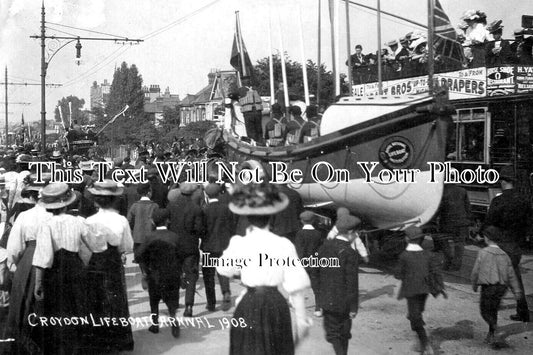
pixel 262 313
pixel 59 278
pixel 20 250
pixel 109 238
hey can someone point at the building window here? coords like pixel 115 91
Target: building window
pixel 467 137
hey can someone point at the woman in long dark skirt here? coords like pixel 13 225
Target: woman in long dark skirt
pixel 262 313
pixel 59 278
pixel 20 248
pixel 109 238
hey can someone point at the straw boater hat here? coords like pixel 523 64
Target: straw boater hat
pixel 420 41
pixel 33 185
pixel 56 195
pixel 56 155
pixel 23 158
pixel 86 165
pixel 258 199
pixel 106 188
pixel 495 26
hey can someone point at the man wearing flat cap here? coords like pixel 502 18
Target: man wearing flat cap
pixel 339 286
pixel 512 213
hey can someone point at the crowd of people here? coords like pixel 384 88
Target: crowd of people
pixel 66 245
pixel 482 45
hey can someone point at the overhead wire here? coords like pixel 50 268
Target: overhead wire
pixel 178 21
pixel 86 30
pixel 60 31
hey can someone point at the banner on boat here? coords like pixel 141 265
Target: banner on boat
pixel 462 84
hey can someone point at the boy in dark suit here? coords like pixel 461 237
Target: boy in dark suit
pixel 339 286
pixel 159 255
pixel 220 227
pixel 307 242
pixel 418 271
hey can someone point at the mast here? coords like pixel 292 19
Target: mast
pixel 271 63
pixel 283 70
pixel 431 57
pixel 7 129
pixel 332 29
pixel 304 62
pixel 337 56
pixel 348 45
pixel 318 76
pixel 380 83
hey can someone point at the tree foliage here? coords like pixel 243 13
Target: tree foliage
pixel 194 130
pixel 126 89
pixel 77 113
pixel 295 83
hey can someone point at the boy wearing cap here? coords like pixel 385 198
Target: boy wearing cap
pixel 357 244
pixel 159 254
pixel 419 275
pixel 307 242
pixel 220 226
pixel 339 286
pixel 494 272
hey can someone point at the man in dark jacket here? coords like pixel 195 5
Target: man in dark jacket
pixel 160 257
pixel 186 219
pixel 287 223
pixel 220 227
pixel 339 286
pixel 454 220
pixel 307 242
pixel 512 212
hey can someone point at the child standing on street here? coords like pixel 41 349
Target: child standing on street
pixel 339 286
pixel 494 272
pixel 419 274
pixel 307 242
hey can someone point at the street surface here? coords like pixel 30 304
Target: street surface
pixel 455 325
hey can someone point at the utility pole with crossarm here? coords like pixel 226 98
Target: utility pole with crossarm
pixel 44 62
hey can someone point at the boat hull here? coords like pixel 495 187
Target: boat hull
pixel 399 143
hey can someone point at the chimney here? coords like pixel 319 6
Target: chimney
pixel 211 76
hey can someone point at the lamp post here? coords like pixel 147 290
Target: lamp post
pixel 45 63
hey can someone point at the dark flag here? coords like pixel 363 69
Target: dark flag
pixel 446 43
pixel 237 53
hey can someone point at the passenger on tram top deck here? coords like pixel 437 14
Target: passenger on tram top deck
pixel 498 51
pixel 476 36
pixel 518 38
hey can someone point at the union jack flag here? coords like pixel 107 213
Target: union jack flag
pixel 446 42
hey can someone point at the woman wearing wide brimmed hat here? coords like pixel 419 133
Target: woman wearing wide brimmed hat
pixel 265 311
pixel 109 238
pixel 21 245
pixel 60 279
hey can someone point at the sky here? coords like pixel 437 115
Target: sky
pixel 184 40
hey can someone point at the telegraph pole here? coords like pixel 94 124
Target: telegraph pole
pixel 6 83
pixel 44 63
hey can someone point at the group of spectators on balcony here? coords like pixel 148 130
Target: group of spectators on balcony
pixel 482 45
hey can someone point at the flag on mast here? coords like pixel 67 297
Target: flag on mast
pixel 240 59
pixel 446 43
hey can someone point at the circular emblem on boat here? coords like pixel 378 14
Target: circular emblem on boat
pixel 396 153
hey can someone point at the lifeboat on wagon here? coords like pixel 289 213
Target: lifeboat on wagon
pixel 393 137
